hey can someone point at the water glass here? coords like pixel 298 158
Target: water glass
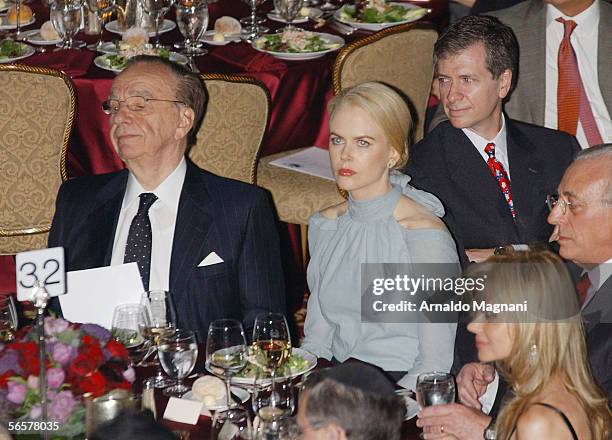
pixel 271 404
pixel 66 17
pixel 101 9
pixel 178 354
pixel 288 10
pixel 232 424
pixel 252 25
pixel 435 388
pixel 8 319
pixel 192 19
pixel 156 9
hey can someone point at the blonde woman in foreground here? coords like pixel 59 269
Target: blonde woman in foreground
pixel 545 363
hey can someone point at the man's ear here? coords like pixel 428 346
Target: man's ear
pixel 505 83
pixel 186 120
pixel 334 432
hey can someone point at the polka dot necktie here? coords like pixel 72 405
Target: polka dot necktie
pixel 497 169
pixel 139 241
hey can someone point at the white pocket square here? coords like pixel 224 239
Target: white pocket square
pixel 211 259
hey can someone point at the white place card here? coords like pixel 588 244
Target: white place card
pixel 93 294
pixel 183 410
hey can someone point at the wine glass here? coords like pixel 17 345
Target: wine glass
pixel 100 8
pixel 226 351
pixel 192 19
pixel 159 306
pixel 271 344
pixel 8 319
pixel 156 9
pixel 66 17
pixel 252 24
pixel 178 353
pixel 232 424
pixel 288 10
pixel 435 388
pixel 128 321
pixel 269 406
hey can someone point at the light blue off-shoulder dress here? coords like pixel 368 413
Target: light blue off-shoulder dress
pixel 368 233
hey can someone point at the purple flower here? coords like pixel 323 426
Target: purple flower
pixel 32 382
pixel 16 392
pixel 55 326
pixel 129 375
pixel 10 361
pixel 100 333
pixel 63 353
pixel 61 406
pixel 35 412
pixel 55 377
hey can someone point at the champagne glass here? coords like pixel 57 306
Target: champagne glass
pixel 66 19
pixel 178 353
pixel 271 345
pixel 100 8
pixel 232 424
pixel 435 388
pixel 192 19
pixel 288 10
pixel 128 322
pixel 226 351
pixel 8 319
pixel 156 9
pixel 159 306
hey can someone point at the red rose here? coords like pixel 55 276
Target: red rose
pixel 93 383
pixel 88 340
pixel 94 352
pixel 81 366
pixel 117 349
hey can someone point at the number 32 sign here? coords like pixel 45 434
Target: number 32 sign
pixel 44 265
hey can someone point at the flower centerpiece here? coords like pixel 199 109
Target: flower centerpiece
pixel 80 359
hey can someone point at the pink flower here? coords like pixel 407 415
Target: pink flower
pixel 129 375
pixel 32 382
pixel 16 392
pixel 35 412
pixel 54 326
pixel 61 406
pixel 55 377
pixel 63 353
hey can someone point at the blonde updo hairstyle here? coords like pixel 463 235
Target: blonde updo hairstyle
pixel 387 109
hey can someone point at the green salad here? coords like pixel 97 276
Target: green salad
pixel 388 13
pixel 10 49
pixel 118 61
pixel 293 365
pixel 294 41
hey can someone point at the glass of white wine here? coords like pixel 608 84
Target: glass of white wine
pixel 66 17
pixel 178 353
pixel 161 322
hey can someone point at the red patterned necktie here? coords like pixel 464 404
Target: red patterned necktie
pixel 497 169
pixel 572 101
pixel 582 287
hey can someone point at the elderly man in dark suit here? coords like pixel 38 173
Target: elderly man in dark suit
pixel 211 241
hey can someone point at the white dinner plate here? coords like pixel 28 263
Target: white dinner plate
pixel 379 26
pixel 108 47
pixel 102 61
pixel 412 406
pixel 7 27
pixel 207 37
pixel 29 50
pixel 302 56
pixel 167 25
pixel 34 37
pixel 221 404
pixel 313 14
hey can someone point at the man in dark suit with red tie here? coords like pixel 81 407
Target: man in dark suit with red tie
pixel 211 241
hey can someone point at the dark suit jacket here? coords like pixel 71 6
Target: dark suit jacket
pixel 215 214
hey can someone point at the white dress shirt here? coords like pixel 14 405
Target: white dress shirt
pixel 163 220
pixel 597 276
pixel 584 41
pixel 500 141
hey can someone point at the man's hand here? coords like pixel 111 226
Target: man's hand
pixel 472 383
pixel 479 255
pixel 452 420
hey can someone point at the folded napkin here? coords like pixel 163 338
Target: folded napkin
pixel 73 62
pixel 246 58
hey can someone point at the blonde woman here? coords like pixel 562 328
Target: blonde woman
pixel 385 220
pixel 541 353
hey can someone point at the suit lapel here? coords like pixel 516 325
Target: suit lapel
pixel 604 49
pixel 598 307
pixel 193 222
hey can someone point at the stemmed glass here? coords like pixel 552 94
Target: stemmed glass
pixel 156 9
pixel 178 353
pixel 128 322
pixel 272 405
pixel 100 8
pixel 66 18
pixel 8 319
pixel 192 19
pixel 226 350
pixel 288 10
pixel 271 345
pixel 232 424
pixel 253 28
pixel 435 389
pixel 162 322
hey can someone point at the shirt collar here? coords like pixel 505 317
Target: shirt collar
pixel 168 192
pixel 499 140
pixel 587 20
pixel 599 274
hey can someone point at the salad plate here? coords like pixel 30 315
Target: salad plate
pixel 221 404
pixel 208 38
pixel 115 63
pixel 373 19
pixel 12 51
pixel 166 26
pixel 5 26
pixel 34 37
pixel 298 45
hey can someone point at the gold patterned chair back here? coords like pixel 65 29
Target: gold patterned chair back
pixel 400 56
pixel 233 128
pixel 37 109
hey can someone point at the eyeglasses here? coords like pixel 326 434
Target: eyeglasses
pixel 553 200
pixel 133 103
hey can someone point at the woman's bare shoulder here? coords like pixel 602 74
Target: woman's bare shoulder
pixel 335 211
pixel 539 421
pixel 412 215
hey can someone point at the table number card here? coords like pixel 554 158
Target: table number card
pixel 45 266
